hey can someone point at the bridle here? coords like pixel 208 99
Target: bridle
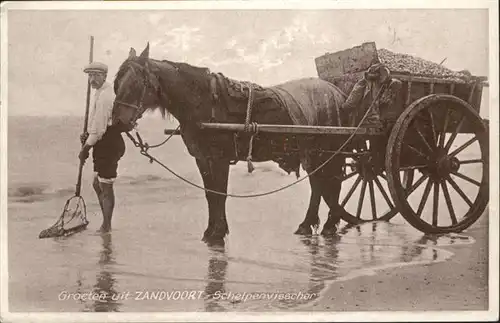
pixel 140 109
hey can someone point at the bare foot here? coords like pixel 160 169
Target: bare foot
pixel 104 229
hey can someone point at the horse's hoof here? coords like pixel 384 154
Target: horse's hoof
pixel 207 235
pixel 304 230
pixel 213 239
pixel 215 243
pixel 328 231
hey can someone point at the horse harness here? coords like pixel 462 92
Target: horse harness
pixel 249 127
pixel 140 109
pixel 218 85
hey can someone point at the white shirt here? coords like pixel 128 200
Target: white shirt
pixel 100 116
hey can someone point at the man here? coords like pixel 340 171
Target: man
pixel 104 139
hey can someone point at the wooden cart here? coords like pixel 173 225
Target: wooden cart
pixel 434 143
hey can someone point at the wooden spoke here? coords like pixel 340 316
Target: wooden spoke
pixel 454 134
pixel 361 198
pixel 351 191
pixel 471 161
pixel 425 196
pixel 449 203
pixel 346 177
pixel 434 136
pixel 466 178
pixel 417 184
pixel 384 193
pixel 465 145
pixel 442 136
pixel 435 204
pixel 416 151
pixel 459 191
pixel 421 135
pixel 372 199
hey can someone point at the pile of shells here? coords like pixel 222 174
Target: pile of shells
pixel 404 63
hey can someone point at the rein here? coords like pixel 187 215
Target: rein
pixel 144 147
pixel 144 151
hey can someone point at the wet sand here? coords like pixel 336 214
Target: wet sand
pixel 458 284
pixel 155 247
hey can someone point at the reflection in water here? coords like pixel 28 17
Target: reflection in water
pixel 412 251
pixel 393 243
pixel 105 282
pixel 354 251
pixel 323 264
pixel 217 267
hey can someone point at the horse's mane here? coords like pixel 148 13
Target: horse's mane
pixel 196 78
pixel 194 74
pixel 192 71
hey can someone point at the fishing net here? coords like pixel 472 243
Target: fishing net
pixel 73 219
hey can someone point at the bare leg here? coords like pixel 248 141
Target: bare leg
pixel 108 205
pixel 98 191
pixel 106 197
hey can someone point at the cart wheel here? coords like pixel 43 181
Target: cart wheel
pixel 365 196
pixel 442 140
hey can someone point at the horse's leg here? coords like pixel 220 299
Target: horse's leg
pixel 220 175
pixel 312 218
pixel 331 185
pixel 215 173
pixel 204 168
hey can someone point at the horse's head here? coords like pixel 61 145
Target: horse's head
pixel 136 89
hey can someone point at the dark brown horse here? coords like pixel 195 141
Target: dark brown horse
pixel 187 93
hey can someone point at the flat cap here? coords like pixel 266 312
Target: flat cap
pixel 96 67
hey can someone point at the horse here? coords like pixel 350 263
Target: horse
pixel 186 92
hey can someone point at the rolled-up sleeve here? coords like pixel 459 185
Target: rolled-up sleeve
pixel 102 116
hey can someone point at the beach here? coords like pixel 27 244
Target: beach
pixel 459 284
pixel 154 258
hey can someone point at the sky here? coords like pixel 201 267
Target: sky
pixel 48 49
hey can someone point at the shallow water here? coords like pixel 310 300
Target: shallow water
pixel 142 257
pixel 153 260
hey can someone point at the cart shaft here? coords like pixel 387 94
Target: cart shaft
pixel 293 129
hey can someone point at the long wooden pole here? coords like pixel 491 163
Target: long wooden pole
pixel 292 129
pixel 86 121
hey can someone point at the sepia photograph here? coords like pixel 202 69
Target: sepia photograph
pixel 249 161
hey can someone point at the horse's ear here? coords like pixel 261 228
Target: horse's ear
pixel 131 53
pixel 145 52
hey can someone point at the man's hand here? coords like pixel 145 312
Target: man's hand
pixel 83 137
pixel 84 153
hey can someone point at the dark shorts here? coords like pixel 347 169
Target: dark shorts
pixel 106 154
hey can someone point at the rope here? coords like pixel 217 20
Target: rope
pixel 249 106
pixel 152 158
pixel 248 117
pixel 146 146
